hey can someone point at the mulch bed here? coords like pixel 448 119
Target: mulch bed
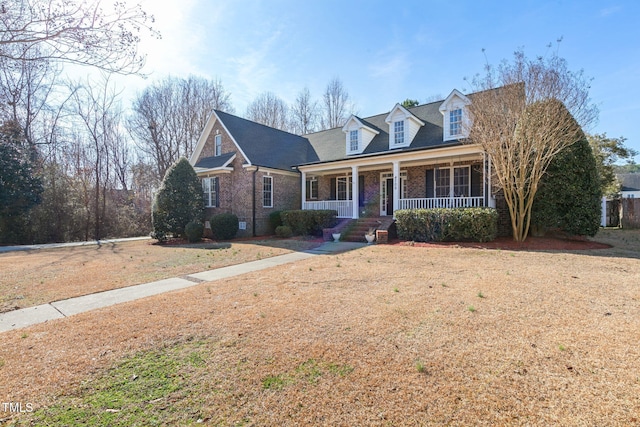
pixel 507 243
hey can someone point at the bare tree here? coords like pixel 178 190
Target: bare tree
pixel 524 114
pixel 269 110
pixel 168 117
pixel 304 114
pixel 336 105
pixel 75 32
pixel 25 91
pixel 101 144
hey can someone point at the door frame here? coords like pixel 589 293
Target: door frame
pixel 384 197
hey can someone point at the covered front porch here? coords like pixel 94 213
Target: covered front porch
pixel 451 177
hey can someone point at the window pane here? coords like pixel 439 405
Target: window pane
pixel 461 182
pixel 206 189
pixel 267 192
pixel 442 178
pixel 218 144
pixel 398 130
pixel 353 140
pixel 455 122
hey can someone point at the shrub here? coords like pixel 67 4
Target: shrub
pixel 569 194
pixel 283 231
pixel 464 224
pixel 193 231
pixel 178 201
pixel 275 220
pixel 224 226
pixel 307 222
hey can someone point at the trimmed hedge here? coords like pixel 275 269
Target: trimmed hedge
pixel 193 231
pixel 283 231
pixel 453 225
pixel 275 220
pixel 309 222
pixel 224 226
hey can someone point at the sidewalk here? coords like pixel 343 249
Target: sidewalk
pixel 58 309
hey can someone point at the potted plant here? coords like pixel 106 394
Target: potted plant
pixel 336 237
pixel 370 235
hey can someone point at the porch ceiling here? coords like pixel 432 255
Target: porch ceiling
pixel 405 159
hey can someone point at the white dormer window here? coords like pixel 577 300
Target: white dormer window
pixel 455 122
pixel 358 135
pixel 353 140
pixel 403 127
pixel 398 132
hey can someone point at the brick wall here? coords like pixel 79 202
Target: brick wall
pixel 236 188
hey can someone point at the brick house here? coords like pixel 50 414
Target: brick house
pixel 406 158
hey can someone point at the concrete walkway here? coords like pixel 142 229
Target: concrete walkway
pixel 58 309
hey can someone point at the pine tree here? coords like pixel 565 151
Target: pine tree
pixel 20 183
pixel 178 201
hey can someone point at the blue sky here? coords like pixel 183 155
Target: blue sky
pixel 385 52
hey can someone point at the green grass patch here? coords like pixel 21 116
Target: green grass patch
pixel 150 388
pixel 310 371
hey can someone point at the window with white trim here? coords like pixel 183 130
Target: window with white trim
pixel 455 122
pixel 452 182
pixel 353 140
pixel 398 132
pixel 461 182
pixel 442 179
pixel 210 190
pixel 267 191
pixel 218 145
pixel 344 188
pixel 312 188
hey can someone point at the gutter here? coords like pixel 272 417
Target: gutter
pixel 253 203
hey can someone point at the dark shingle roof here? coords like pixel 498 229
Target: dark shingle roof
pixel 266 146
pixel 629 181
pixel 330 144
pixel 214 162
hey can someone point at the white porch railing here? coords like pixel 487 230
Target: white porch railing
pixel 343 207
pixel 442 202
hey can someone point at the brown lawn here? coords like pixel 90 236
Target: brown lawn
pixel 439 335
pixel 40 276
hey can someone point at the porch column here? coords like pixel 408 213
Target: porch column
pixel 396 186
pixel 492 200
pixel 355 193
pixel 304 189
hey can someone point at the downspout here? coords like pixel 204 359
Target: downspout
pixel 253 207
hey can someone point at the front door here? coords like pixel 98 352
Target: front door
pixel 386 192
pixel 389 193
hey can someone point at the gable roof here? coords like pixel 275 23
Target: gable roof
pixel 266 146
pixel 329 144
pixel 361 122
pixel 215 161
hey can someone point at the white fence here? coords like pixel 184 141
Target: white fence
pixel 442 202
pixel 343 207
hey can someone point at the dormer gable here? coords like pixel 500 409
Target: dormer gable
pixel 455 116
pixel 403 127
pixel 359 134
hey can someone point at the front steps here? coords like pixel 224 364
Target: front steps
pixel 355 231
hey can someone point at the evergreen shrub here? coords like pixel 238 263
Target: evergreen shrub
pixel 308 222
pixel 224 226
pixel 454 225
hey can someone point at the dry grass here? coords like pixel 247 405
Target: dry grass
pixel 40 276
pixel 552 340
